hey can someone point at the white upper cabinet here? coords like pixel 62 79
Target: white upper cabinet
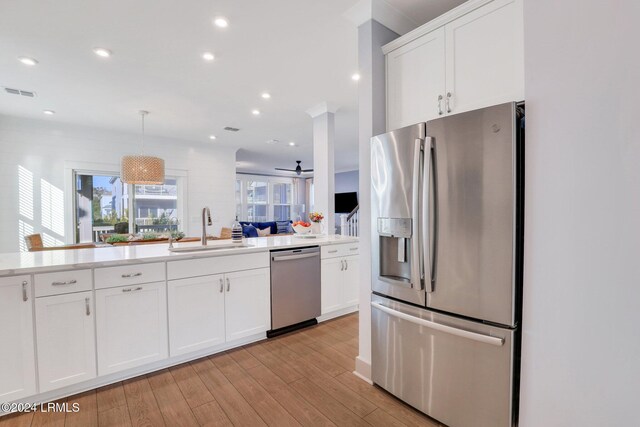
pixel 131 324
pixel 469 58
pixel 66 339
pixel 485 61
pixel 196 313
pixel 17 363
pixel 416 81
pixel 247 303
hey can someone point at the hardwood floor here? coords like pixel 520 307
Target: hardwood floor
pixel 300 379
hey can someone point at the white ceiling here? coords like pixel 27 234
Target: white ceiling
pixel 302 51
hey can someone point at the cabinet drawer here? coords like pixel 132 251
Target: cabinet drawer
pixel 122 275
pixel 63 282
pixel 216 265
pixel 344 249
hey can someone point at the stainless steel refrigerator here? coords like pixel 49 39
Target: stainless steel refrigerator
pixel 447 224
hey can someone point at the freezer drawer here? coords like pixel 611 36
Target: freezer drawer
pixel 456 371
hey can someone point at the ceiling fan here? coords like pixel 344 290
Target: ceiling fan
pixel 298 170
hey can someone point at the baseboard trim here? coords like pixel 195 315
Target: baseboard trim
pixel 338 313
pixel 363 370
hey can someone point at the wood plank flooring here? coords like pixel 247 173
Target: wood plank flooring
pixel 300 379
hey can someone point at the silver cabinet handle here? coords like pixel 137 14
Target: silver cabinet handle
pixel 86 304
pixel 139 288
pixel 228 285
pixel 128 276
pixel 440 112
pixel 346 265
pixel 341 265
pixel 221 285
pixel 333 251
pixel 448 103
pixel 353 249
pixel 25 297
pixel 68 282
pixel 475 336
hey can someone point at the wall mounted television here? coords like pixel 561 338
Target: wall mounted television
pixel 346 202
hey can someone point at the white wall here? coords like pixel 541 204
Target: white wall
pixel 42 149
pixel 581 342
pixel 347 182
pixel 371 121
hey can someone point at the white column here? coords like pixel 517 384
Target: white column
pixel 371 121
pixel 323 163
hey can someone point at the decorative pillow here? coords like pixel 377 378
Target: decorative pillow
pixel 265 232
pixel 284 227
pixel 249 231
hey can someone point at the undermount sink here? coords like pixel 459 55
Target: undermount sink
pixel 209 248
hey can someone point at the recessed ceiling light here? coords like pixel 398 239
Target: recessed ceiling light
pixel 102 52
pixel 221 22
pixel 255 112
pixel 266 95
pixel 27 61
pixel 292 144
pixel 208 56
pixel 212 137
pixel 355 77
pixel 49 112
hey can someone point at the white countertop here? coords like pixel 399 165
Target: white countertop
pixel 17 263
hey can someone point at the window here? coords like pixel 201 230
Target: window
pixel 156 207
pixel 106 205
pixel 282 201
pixel 257 197
pixel 267 198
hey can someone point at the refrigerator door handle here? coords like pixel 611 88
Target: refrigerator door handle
pixel 425 237
pixel 486 339
pixel 417 270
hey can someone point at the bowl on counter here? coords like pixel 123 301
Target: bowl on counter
pixel 301 229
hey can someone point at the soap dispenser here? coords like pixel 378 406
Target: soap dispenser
pixel 236 231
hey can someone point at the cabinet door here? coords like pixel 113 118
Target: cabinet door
pixel 17 364
pixel 247 303
pixel 485 62
pixel 415 81
pixel 66 339
pixel 196 313
pixel 131 326
pixel 351 282
pixel 332 277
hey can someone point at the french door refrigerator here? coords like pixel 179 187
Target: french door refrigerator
pixel 447 224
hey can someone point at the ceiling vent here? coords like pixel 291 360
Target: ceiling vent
pixel 231 129
pixel 27 93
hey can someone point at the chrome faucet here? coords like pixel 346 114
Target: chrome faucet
pixel 206 213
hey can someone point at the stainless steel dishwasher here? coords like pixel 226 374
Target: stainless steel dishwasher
pixel 295 289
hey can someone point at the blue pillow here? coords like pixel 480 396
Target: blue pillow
pixel 249 231
pixel 284 227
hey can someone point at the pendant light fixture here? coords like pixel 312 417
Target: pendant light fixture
pixel 141 169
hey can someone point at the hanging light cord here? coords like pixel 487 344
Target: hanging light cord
pixel 142 113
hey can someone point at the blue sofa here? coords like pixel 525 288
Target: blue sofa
pixel 273 227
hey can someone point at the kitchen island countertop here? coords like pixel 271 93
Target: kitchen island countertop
pixel 17 263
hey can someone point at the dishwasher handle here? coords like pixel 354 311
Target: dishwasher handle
pixel 294 257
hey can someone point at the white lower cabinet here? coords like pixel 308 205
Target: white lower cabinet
pixel 131 324
pixel 247 303
pixel 196 313
pixel 210 310
pixel 17 363
pixel 66 339
pixel 340 283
